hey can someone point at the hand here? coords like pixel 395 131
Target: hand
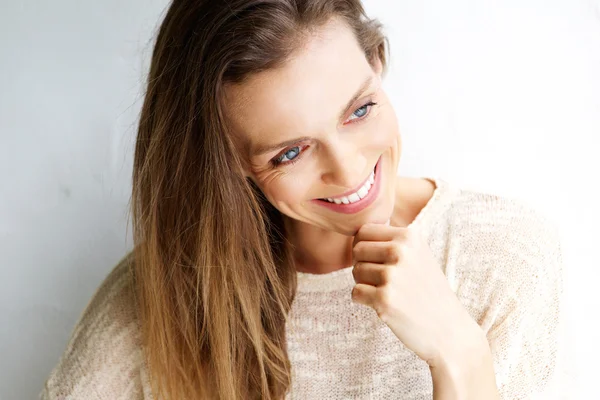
pixel 397 275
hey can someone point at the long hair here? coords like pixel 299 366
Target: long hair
pixel 214 275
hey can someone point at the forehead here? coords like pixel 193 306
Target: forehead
pixel 303 97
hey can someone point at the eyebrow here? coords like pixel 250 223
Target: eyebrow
pixel 262 149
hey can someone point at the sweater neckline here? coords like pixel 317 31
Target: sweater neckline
pixel 342 278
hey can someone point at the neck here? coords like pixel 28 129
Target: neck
pixel 316 250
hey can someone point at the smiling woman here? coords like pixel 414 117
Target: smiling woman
pixel 315 129
pixel 278 253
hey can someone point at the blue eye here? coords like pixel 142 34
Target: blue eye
pixel 362 111
pixel 288 156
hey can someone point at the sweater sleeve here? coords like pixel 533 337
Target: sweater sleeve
pixel 524 335
pixel 103 356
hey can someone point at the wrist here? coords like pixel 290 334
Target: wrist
pixel 466 370
pixel 463 360
pixel 463 345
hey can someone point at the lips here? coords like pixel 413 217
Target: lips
pixel 362 203
pixel 365 186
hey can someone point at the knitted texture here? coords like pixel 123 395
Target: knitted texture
pixel 501 257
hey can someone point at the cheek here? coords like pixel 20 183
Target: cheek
pixel 383 132
pixel 290 189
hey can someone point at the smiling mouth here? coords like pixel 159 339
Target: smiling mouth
pixel 356 195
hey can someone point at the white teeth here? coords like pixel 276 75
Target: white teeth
pixel 353 198
pixel 362 192
pixel 359 194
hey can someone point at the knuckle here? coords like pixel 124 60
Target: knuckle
pixel 401 238
pixel 358 247
pixel 408 236
pixel 387 275
pixel 393 254
pixel 359 233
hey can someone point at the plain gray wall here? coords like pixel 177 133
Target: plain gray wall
pixel 497 96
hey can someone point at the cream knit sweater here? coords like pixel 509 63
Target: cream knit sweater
pixel 501 257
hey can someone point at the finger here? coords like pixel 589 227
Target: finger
pixel 382 233
pixel 364 294
pixel 374 252
pixel 368 273
pixel 374 232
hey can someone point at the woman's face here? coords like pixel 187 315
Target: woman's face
pixel 316 129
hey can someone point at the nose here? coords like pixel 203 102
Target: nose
pixel 343 166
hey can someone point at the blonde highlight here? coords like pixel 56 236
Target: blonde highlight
pixel 213 272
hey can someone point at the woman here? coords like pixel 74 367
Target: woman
pixel 277 252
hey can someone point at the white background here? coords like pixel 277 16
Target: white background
pixel 497 96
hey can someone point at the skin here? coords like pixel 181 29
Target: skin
pixel 395 272
pixel 304 98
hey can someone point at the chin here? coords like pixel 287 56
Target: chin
pixel 380 215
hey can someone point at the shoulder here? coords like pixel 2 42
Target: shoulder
pixel 478 222
pixel 493 242
pixel 103 356
pixel 501 221
pixel 479 209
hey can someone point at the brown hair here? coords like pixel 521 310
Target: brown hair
pixel 213 272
